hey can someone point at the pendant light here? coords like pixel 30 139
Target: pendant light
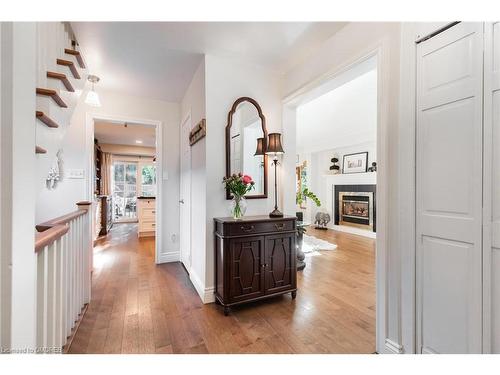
pixel 92 98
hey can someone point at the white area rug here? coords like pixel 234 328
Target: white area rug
pixel 311 245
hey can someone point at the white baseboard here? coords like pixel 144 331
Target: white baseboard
pixel 353 230
pixel 174 256
pixel 206 294
pixel 393 347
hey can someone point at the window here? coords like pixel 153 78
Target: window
pixel 124 190
pixel 148 180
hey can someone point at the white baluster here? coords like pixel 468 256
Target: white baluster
pixel 78 265
pixel 62 286
pixel 51 308
pixel 59 304
pixel 42 280
pixel 71 276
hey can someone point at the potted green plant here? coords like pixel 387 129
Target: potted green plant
pixel 305 193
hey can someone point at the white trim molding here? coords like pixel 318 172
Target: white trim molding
pixel 384 51
pixel 168 257
pixel 206 294
pixel 393 347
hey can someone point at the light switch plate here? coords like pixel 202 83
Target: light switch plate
pixel 76 173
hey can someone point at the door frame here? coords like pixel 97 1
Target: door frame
pixel 381 53
pixel 90 119
pixel 187 118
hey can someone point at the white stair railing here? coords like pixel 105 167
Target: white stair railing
pixel 64 265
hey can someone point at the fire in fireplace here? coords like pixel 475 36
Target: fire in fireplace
pixel 355 207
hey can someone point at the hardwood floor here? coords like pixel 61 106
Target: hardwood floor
pixel 139 307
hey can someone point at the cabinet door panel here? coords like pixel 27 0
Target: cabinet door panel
pixel 280 261
pixel 247 279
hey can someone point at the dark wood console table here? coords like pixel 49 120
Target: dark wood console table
pixel 255 258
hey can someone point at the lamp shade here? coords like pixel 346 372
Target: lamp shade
pixel 260 147
pixel 274 144
pixel 93 99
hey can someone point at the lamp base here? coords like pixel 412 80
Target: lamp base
pixel 276 213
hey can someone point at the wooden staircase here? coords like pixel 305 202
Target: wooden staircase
pixel 53 94
pixel 62 77
pixel 46 119
pixel 71 66
pixel 57 86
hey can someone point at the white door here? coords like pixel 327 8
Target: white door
pixel 492 188
pixel 185 195
pixel 449 191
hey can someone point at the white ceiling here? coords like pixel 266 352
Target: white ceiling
pixel 158 59
pixel 117 134
pixel 342 117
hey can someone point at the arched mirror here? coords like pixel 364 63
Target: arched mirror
pixel 246 135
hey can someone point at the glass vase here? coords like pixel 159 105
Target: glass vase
pixel 238 207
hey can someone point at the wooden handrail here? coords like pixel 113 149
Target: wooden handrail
pixel 49 235
pixel 61 220
pixel 51 230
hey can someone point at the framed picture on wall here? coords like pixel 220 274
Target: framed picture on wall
pixel 355 163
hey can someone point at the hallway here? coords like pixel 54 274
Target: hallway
pixel 140 307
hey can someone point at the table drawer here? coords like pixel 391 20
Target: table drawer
pixel 147 226
pixel 236 229
pixel 147 213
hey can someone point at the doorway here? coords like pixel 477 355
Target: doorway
pixel 291 104
pixel 133 152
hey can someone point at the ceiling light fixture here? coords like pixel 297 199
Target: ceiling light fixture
pixel 138 141
pixel 92 98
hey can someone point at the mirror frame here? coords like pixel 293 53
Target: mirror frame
pixel 228 144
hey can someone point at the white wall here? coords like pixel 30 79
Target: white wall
pixel 352 43
pixel 226 81
pixel 341 117
pixel 193 104
pixel 49 202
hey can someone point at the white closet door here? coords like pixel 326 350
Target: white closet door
pixel 492 188
pixel 449 191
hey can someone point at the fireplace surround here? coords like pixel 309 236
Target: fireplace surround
pixel 355 205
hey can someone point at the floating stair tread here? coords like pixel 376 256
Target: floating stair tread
pixel 78 56
pixel 46 119
pixel 62 77
pixel 71 67
pixel 53 94
pixel 40 150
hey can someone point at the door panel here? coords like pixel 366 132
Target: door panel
pixel 492 188
pixel 280 263
pixel 449 193
pixel 247 278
